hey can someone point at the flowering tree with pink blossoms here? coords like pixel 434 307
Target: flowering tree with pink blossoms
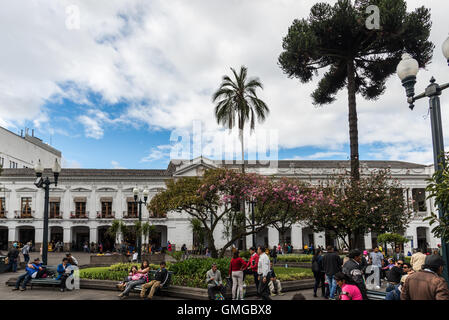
pixel 375 203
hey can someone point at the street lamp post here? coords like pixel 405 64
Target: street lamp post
pixel 252 202
pixel 139 201
pixel 407 71
pixel 44 183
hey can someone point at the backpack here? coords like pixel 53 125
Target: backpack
pixel 315 266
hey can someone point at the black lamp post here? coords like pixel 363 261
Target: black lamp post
pixel 407 71
pixel 44 183
pixel 139 201
pixel 252 202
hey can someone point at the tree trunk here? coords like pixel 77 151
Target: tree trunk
pixel 353 131
pixel 242 205
pixel 211 244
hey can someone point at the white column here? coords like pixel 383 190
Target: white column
pixel 273 236
pixel 67 235
pixel 368 242
pixel 92 204
pixel 414 233
pixel 12 234
pixel 38 236
pixel 93 234
pixel 319 239
pixel 296 235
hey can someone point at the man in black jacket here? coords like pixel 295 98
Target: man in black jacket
pixel 13 257
pixel 395 274
pixel 331 265
pixel 159 279
pixel 353 268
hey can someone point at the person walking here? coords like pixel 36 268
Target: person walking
pixel 418 259
pixel 318 273
pixel 13 257
pixel 332 264
pixel 353 269
pixel 426 284
pixel 26 252
pixel 263 268
pixel 376 258
pixel 236 268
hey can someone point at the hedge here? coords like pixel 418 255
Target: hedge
pixel 190 272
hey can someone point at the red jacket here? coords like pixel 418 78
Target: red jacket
pixel 254 262
pixel 237 265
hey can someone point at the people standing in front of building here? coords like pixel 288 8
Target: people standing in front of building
pixel 398 255
pixel 332 263
pixel 26 252
pixel 418 259
pixel 426 284
pixel 318 273
pixel 376 259
pixel 13 257
pixel 262 270
pixel 252 267
pixel 236 268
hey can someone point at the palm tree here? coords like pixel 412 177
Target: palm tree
pixel 237 103
pixel 117 227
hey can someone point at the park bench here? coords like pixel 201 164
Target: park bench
pixel 52 273
pixel 164 284
pixel 376 295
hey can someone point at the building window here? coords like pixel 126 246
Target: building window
pixel 106 209
pixel 419 198
pixel 80 209
pixel 2 162
pixel 2 208
pixel 54 210
pixel 26 207
pixel 132 209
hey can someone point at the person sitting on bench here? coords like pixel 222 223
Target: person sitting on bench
pixel 160 277
pixel 214 282
pixel 33 270
pixel 64 271
pixel 144 269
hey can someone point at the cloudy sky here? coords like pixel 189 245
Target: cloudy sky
pixel 115 88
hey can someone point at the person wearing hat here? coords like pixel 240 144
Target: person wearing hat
pixel 13 257
pixel 427 284
pixel 32 270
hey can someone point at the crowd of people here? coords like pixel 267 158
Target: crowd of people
pixel 347 279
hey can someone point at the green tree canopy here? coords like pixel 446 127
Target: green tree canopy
pixel 336 40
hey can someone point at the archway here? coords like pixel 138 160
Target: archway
pixel 307 237
pixel 159 240
pixel 3 238
pixel 26 234
pixel 107 240
pixel 80 235
pixel 262 238
pixel 421 234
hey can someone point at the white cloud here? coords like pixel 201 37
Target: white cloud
pixel 165 58
pixel 67 163
pixel 116 165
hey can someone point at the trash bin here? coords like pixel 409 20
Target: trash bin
pixel 3 265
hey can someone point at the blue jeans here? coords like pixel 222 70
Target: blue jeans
pixel 332 286
pixel 26 257
pixel 25 278
pixel 13 265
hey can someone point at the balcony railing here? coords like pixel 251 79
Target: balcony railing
pixel 105 216
pixel 419 215
pixel 20 215
pixel 130 215
pixel 58 215
pixel 74 215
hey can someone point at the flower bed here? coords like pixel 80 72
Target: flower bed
pixel 190 272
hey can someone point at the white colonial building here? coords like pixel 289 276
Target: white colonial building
pixel 86 201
